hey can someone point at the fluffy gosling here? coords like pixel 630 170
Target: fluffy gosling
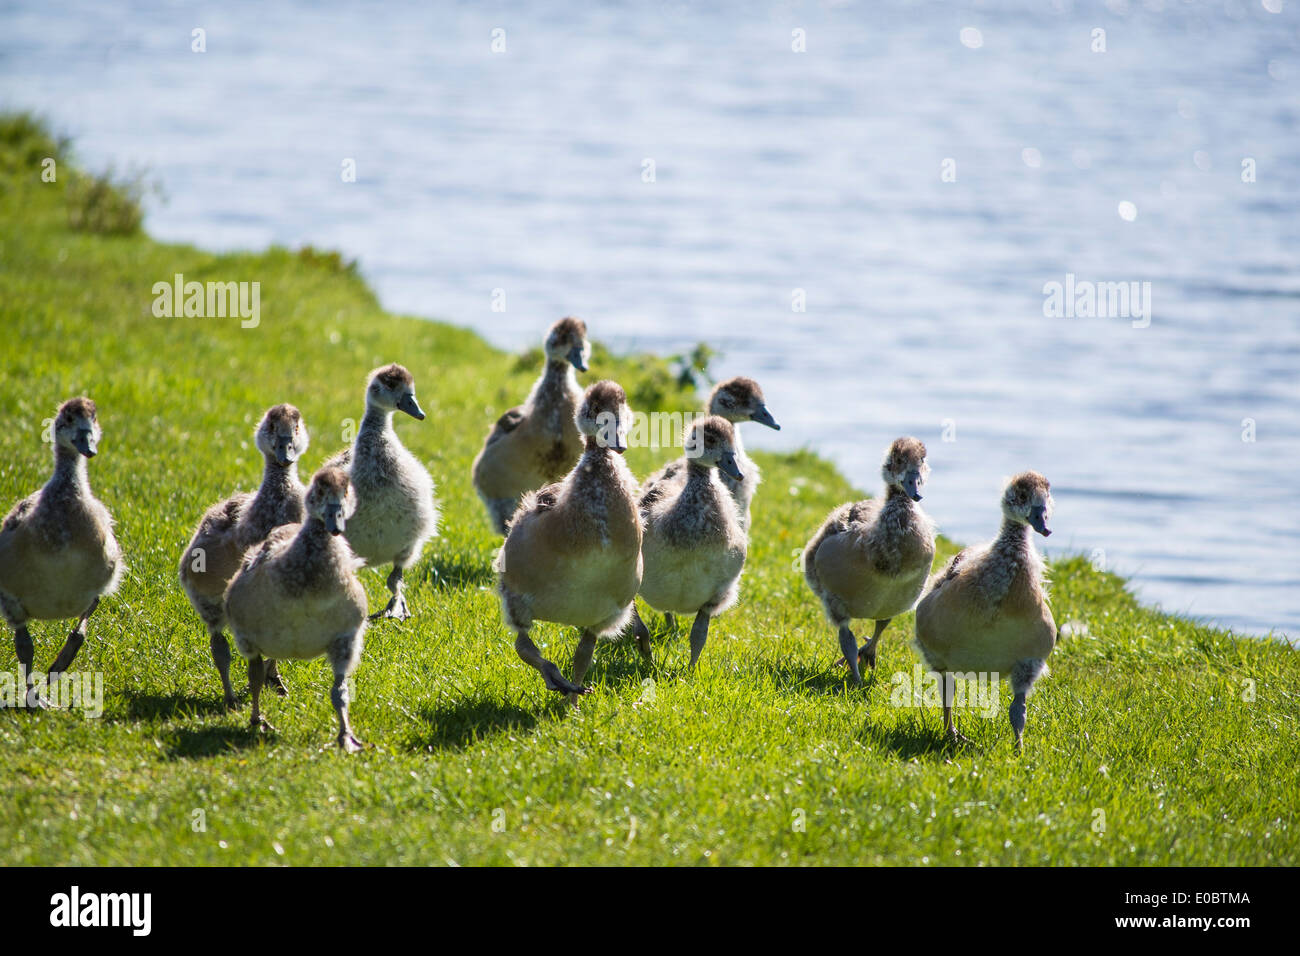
pixel 396 509
pixel 741 400
pixel 537 442
pixel 231 527
pixel 694 545
pixel 58 555
pixel 572 553
pixel 297 597
pixel 987 610
pixel 870 558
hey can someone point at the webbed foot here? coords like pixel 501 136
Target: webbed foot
pixel 558 682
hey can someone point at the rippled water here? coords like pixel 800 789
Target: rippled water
pixel 777 171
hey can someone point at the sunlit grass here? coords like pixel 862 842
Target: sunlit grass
pixel 1156 740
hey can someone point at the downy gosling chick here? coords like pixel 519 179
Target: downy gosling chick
pixel 870 558
pixel 297 597
pixel 396 509
pixel 572 553
pixel 537 442
pixel 694 546
pixel 741 400
pixel 987 610
pixel 58 555
pixel 231 527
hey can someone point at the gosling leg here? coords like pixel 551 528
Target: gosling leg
pixel 642 634
pixel 849 646
pixel 699 634
pixel 531 656
pixel 1017 715
pixel 670 620
pixel 72 645
pixel 582 660
pixel 340 697
pixel 221 658
pixel 867 654
pixel 26 655
pixel 1023 675
pixel 396 607
pixel 274 680
pixel 256 678
pixel 949 688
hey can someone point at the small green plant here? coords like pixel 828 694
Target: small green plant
pixel 25 143
pixel 692 368
pixel 106 204
pixel 331 260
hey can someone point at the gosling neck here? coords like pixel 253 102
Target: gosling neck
pixel 70 470
pixel 1014 536
pixel 558 371
pixel 376 421
pixel 277 478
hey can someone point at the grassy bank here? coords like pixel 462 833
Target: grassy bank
pixel 1155 741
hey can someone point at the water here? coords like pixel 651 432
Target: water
pixel 777 171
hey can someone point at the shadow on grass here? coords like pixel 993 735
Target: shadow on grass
pixel 219 737
pixel 457 725
pixel 448 572
pixel 915 737
pixel 816 681
pixel 166 706
pixel 214 741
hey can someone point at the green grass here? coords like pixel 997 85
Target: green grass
pixel 1143 720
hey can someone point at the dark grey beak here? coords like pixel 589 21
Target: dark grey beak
pixel 764 417
pixel 728 466
pixel 85 443
pixel 1038 521
pixel 285 453
pixel 408 404
pixel 334 520
pixel 575 356
pixel 911 487
pixel 620 443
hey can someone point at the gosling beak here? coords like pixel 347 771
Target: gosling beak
pixel 575 357
pixel 764 417
pixel 729 468
pixel 85 443
pixel 334 520
pixel 1038 521
pixel 285 453
pixel 408 404
pixel 620 443
pixel 911 486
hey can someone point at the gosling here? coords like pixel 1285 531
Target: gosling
pixel 58 555
pixel 231 527
pixel 741 400
pixel 572 553
pixel 694 547
pixel 536 443
pixel 297 597
pixel 870 558
pixel 987 610
pixel 396 509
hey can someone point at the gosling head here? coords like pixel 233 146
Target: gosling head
pixel 905 468
pixel 76 427
pixel 604 415
pixel 567 342
pixel 740 399
pixel 711 442
pixel 1028 500
pixel 392 388
pixel 331 500
pixel 281 435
